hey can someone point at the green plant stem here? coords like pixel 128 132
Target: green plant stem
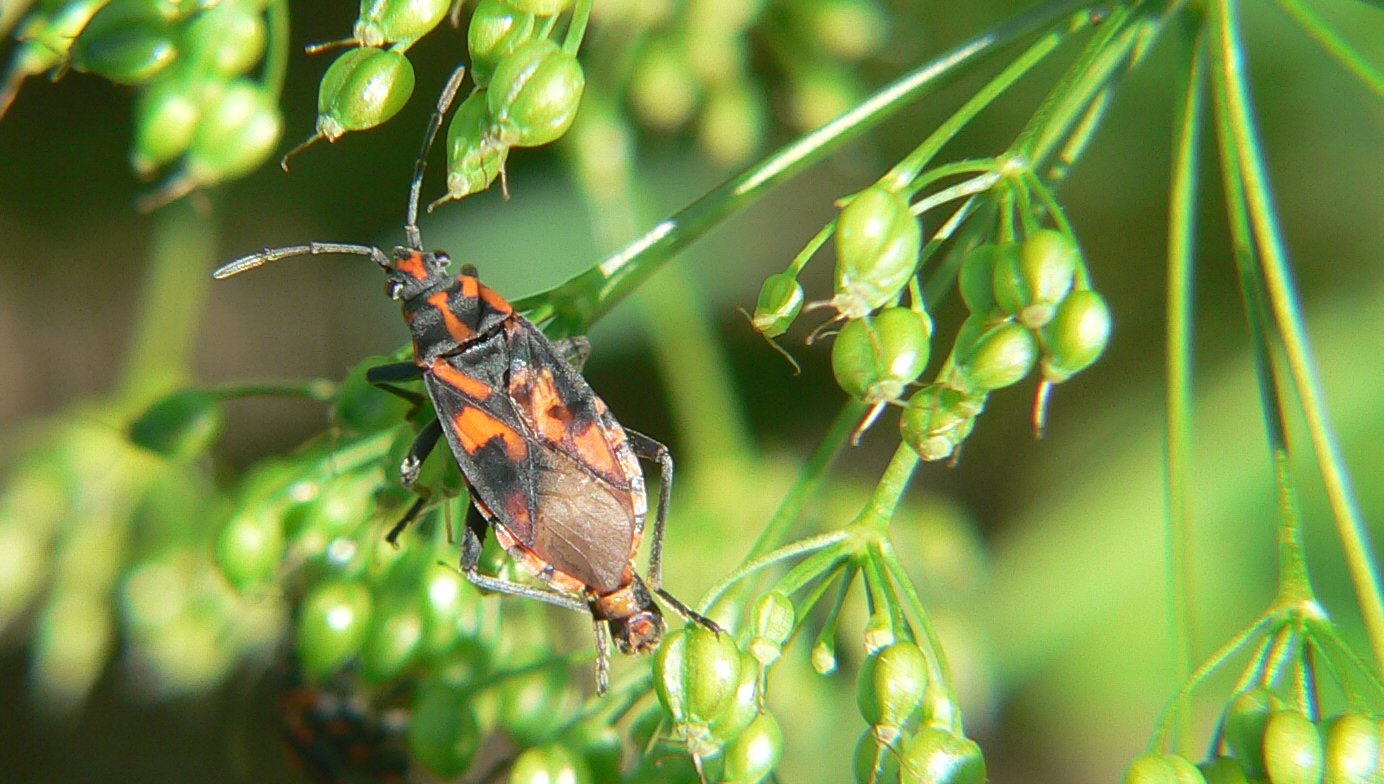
pixel 802 547
pixel 1165 722
pixel 874 519
pixel 319 389
pixel 276 54
pixel 1182 214
pixel 1338 48
pixel 576 31
pixel 584 298
pixel 1287 312
pixel 1325 633
pixel 937 661
pixel 183 247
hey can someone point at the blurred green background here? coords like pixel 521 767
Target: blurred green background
pixel 1056 624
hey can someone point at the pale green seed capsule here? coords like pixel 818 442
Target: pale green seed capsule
pixel 877 244
pixel 402 21
pixel 999 357
pixel 535 93
pixel 1076 336
pixel 780 302
pixel 475 155
pixel 496 29
pixel 1031 284
pixel 238 131
pixel 362 89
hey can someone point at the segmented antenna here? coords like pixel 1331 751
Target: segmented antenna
pixel 444 102
pixel 311 249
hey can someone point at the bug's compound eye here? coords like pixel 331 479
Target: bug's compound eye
pixel 443 259
pixel 393 288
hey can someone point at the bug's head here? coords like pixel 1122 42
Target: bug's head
pixel 413 272
pixel 635 621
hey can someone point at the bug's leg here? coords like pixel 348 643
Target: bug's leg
pixel 602 654
pixel 412 514
pixel 423 446
pixel 652 450
pixel 385 376
pixel 471 540
pixel 575 350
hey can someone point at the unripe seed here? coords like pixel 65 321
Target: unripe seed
pixel 443 734
pixel 1223 770
pixel 127 42
pixel 475 154
pixel 1352 750
pixel 535 93
pixel 1030 284
pixel 937 419
pixel 249 546
pixel 1162 769
pixel 890 685
pixel 181 425
pixel 601 746
pixel 696 673
pixel 874 359
pixel 1245 720
pixel 496 29
pixel 877 244
pixel 732 123
pixel 936 756
pixel 226 40
pixel 977 276
pixel 393 641
pixel 550 764
pixel 237 133
pixel 541 7
pixel 780 302
pixel 1076 336
pixel 999 357
pixel 362 89
pixel 773 621
pixel 742 708
pixel 755 754
pixel 1292 749
pixel 528 703
pixel 332 624
pixel 166 118
pixel 664 91
pixel 389 21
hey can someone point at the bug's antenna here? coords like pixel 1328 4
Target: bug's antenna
pixel 311 249
pixel 444 102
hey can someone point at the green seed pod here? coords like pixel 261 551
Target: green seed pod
pixel 226 40
pixel 181 425
pixel 875 763
pixel 535 93
pixel 332 624
pixel 874 359
pixel 362 407
pixel 496 29
pixel 1076 336
pixel 780 302
pixel 398 21
pixel 999 357
pixel 1161 769
pixel 732 122
pixel 890 685
pixel 877 244
pixel 937 419
pixel 528 703
pixel 936 756
pixel 1030 284
pixel 1352 750
pixel 250 546
pixel 663 88
pixel 453 612
pixel 166 117
pixel 755 754
pixel 741 709
pixel 1223 770
pixel 475 154
pixel 127 42
pixel 550 764
pixel 976 280
pixel 846 29
pixel 443 734
pixel 696 673
pixel 1245 720
pixel 238 132
pixel 1292 749
pixel 362 89
pixel 772 622
pixel 394 640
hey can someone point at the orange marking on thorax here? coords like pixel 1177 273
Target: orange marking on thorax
pixel 595 451
pixel 492 298
pixel 412 265
pixel 459 331
pixel 471 387
pixel 476 428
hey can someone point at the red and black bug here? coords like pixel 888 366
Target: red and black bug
pixel 549 468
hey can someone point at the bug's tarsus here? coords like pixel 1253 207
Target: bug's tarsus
pixel 444 102
pixel 423 445
pixel 412 514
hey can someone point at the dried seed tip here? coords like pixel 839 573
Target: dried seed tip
pixel 310 141
pixel 780 302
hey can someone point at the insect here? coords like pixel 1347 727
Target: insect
pixel 549 468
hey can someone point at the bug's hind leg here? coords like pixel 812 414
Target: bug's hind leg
pixel 471 541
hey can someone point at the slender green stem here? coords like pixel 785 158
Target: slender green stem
pixel 961 190
pixel 1159 740
pixel 319 389
pixel 810 249
pixel 1182 231
pixel 1340 50
pixel 1283 301
pixel 276 53
pixel 584 298
pixel 874 519
pixel 802 547
pixel 170 305
pixel 938 660
pixel 1326 634
pixel 576 31
pixel 906 170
